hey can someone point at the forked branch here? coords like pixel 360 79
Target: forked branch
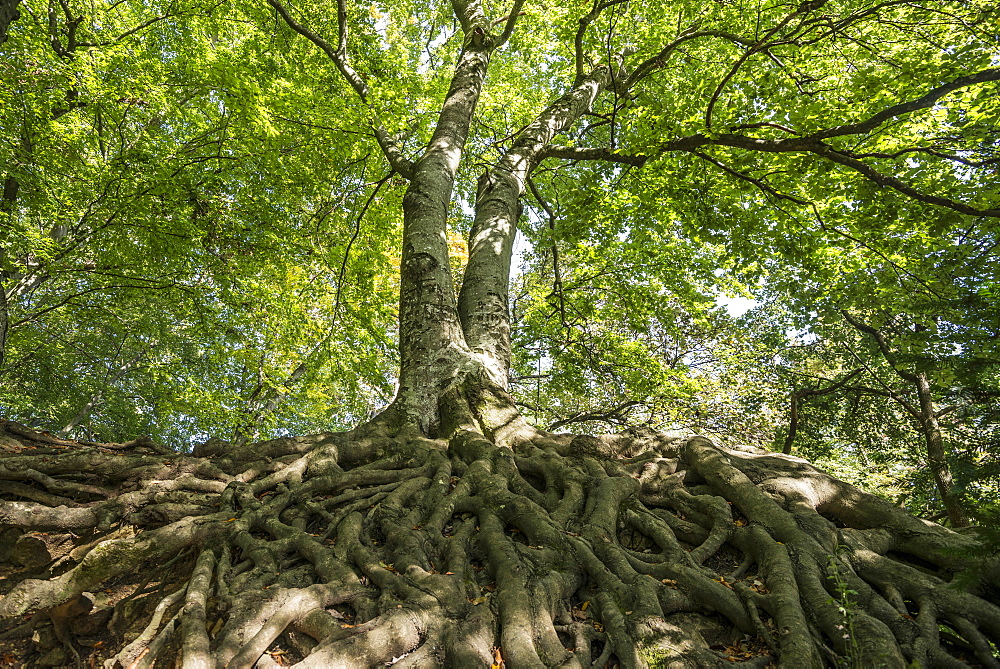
pixel 390 147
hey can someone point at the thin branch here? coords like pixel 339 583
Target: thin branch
pixel 557 287
pixel 929 151
pixel 615 416
pixel 127 33
pixel 899 269
pixel 889 392
pixel 67 300
pixel 508 29
pixel 892 182
pixel 759 183
pixel 924 102
pixel 883 345
pixel 759 46
pixel 659 59
pixel 801 394
pixel 357 231
pixel 585 22
pixel 390 148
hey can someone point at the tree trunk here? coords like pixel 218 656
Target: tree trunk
pixel 483 302
pixel 926 417
pixel 8 14
pixel 936 457
pixel 433 352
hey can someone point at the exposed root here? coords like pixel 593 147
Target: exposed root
pixel 381 547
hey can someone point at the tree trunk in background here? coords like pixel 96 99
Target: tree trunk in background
pixel 936 458
pixel 8 14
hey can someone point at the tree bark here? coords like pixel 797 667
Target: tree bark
pixel 483 300
pixel 936 457
pixel 8 14
pixel 433 352
pixel 927 419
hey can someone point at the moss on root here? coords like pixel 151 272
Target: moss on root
pixel 493 542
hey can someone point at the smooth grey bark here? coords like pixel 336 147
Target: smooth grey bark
pixel 431 345
pixel 483 300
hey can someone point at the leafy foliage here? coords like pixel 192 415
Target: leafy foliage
pixel 200 236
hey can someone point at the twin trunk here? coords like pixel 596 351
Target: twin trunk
pixel 442 340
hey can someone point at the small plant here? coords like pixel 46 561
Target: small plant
pixel 846 607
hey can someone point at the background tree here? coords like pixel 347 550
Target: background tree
pixel 282 164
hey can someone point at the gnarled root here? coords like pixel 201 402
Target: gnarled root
pixel 381 546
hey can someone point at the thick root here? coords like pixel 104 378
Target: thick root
pixel 381 546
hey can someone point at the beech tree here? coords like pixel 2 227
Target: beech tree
pixel 446 529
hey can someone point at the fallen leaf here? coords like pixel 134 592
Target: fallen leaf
pixel 477 601
pixel 583 607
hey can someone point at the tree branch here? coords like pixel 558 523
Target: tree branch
pixel 615 416
pixel 508 29
pixel 390 148
pixel 889 392
pixel 585 22
pixel 595 153
pixel 802 393
pixel 483 301
pixel 804 8
pixel 759 183
pixel 924 102
pixel 883 345
pixel 658 60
